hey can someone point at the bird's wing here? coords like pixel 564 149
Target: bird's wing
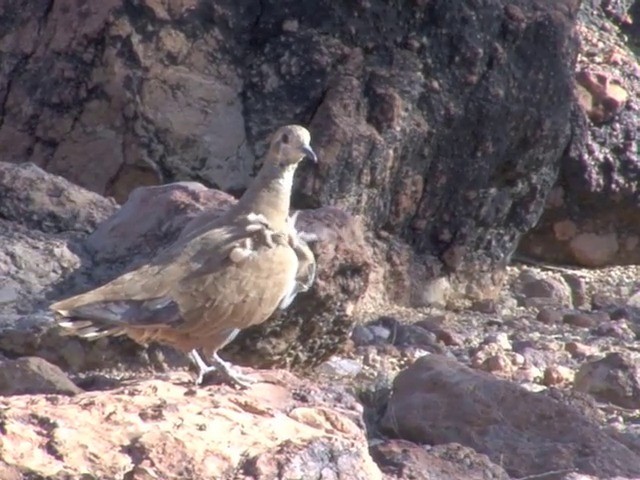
pixel 306 272
pixel 198 291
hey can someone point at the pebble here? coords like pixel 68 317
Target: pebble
pixel 579 320
pixel 580 350
pixel 557 375
pixel 549 316
pixel 501 339
pixel 616 329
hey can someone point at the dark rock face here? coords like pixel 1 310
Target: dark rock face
pixel 592 216
pixel 441 121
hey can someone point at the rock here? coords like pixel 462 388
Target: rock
pixel 580 319
pixel 617 329
pixel 30 263
pixel 153 218
pixel 161 429
pixel 340 367
pixel 591 217
pixel 31 375
pixel 501 339
pixel 167 91
pixel 549 316
pixel 362 336
pixel 580 350
pixel 48 203
pixel 399 459
pixel 614 379
pixel 380 333
pixel 600 97
pixel 593 250
pixel 438 401
pixel 557 375
pixel 531 286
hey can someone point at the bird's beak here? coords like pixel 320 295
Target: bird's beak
pixel 309 153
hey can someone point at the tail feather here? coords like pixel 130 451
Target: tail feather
pixel 111 318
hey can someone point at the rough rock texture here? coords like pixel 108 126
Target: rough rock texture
pixel 49 203
pixel 399 459
pixel 30 375
pixel 592 216
pixel 440 121
pixel 614 379
pixel 438 400
pixel 281 428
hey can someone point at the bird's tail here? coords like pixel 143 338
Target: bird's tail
pixel 116 317
pixel 90 321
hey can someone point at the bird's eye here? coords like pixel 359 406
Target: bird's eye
pixel 285 138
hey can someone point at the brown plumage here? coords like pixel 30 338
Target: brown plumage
pixel 225 276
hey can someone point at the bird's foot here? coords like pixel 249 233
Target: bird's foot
pixel 224 369
pixel 230 374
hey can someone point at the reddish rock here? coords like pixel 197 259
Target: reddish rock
pixel 549 316
pixel 439 401
pixel 160 429
pixel 557 375
pixel 599 95
pixel 580 350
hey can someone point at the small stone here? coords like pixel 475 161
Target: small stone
pixel 33 375
pixel 580 350
pixel 501 339
pixel 340 367
pixel 449 338
pixel 579 320
pixel 528 374
pixel 499 363
pixel 484 306
pixel 557 375
pixel 379 332
pixel 549 316
pixel 616 329
pixel 8 290
pixel 362 335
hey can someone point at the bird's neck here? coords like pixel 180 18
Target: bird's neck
pixel 270 194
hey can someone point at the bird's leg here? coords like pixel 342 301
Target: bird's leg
pixel 203 368
pixel 228 372
pixel 225 369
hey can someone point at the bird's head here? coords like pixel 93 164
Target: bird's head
pixel 290 144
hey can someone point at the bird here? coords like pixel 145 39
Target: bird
pixel 226 275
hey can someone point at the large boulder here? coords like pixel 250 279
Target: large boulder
pixel 441 122
pixel 281 428
pixel 439 401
